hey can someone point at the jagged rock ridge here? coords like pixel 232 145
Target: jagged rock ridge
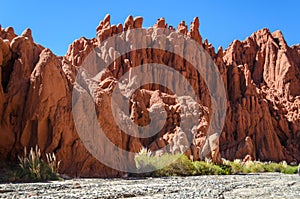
pixel 260 74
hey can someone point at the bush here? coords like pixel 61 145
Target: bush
pixel 176 165
pixel 290 170
pixel 149 164
pixel 274 167
pixel 180 165
pixel 226 169
pixel 205 168
pixel 236 166
pixel 33 168
pixel 253 167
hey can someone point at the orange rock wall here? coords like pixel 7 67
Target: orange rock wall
pixel 261 75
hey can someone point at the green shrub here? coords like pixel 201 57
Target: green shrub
pixel 236 166
pixel 205 168
pixel 274 167
pixel 253 167
pixel 164 165
pixel 290 170
pixel 226 170
pixel 180 165
pixel 34 168
pixel 176 165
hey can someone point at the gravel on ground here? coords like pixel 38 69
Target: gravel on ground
pixel 266 185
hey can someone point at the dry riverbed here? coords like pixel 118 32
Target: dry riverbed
pixel 266 185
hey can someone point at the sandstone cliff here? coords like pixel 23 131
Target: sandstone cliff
pixel 261 76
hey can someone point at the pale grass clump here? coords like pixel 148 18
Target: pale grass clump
pixel 53 162
pixel 145 152
pixel 34 168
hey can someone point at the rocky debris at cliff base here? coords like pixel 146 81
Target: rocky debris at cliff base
pixel 267 185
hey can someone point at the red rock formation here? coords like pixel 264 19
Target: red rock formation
pixel 261 76
pixel 263 85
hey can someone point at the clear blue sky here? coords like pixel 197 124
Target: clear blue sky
pixel 56 24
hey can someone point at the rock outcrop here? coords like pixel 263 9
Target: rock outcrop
pixel 261 76
pixel 263 88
